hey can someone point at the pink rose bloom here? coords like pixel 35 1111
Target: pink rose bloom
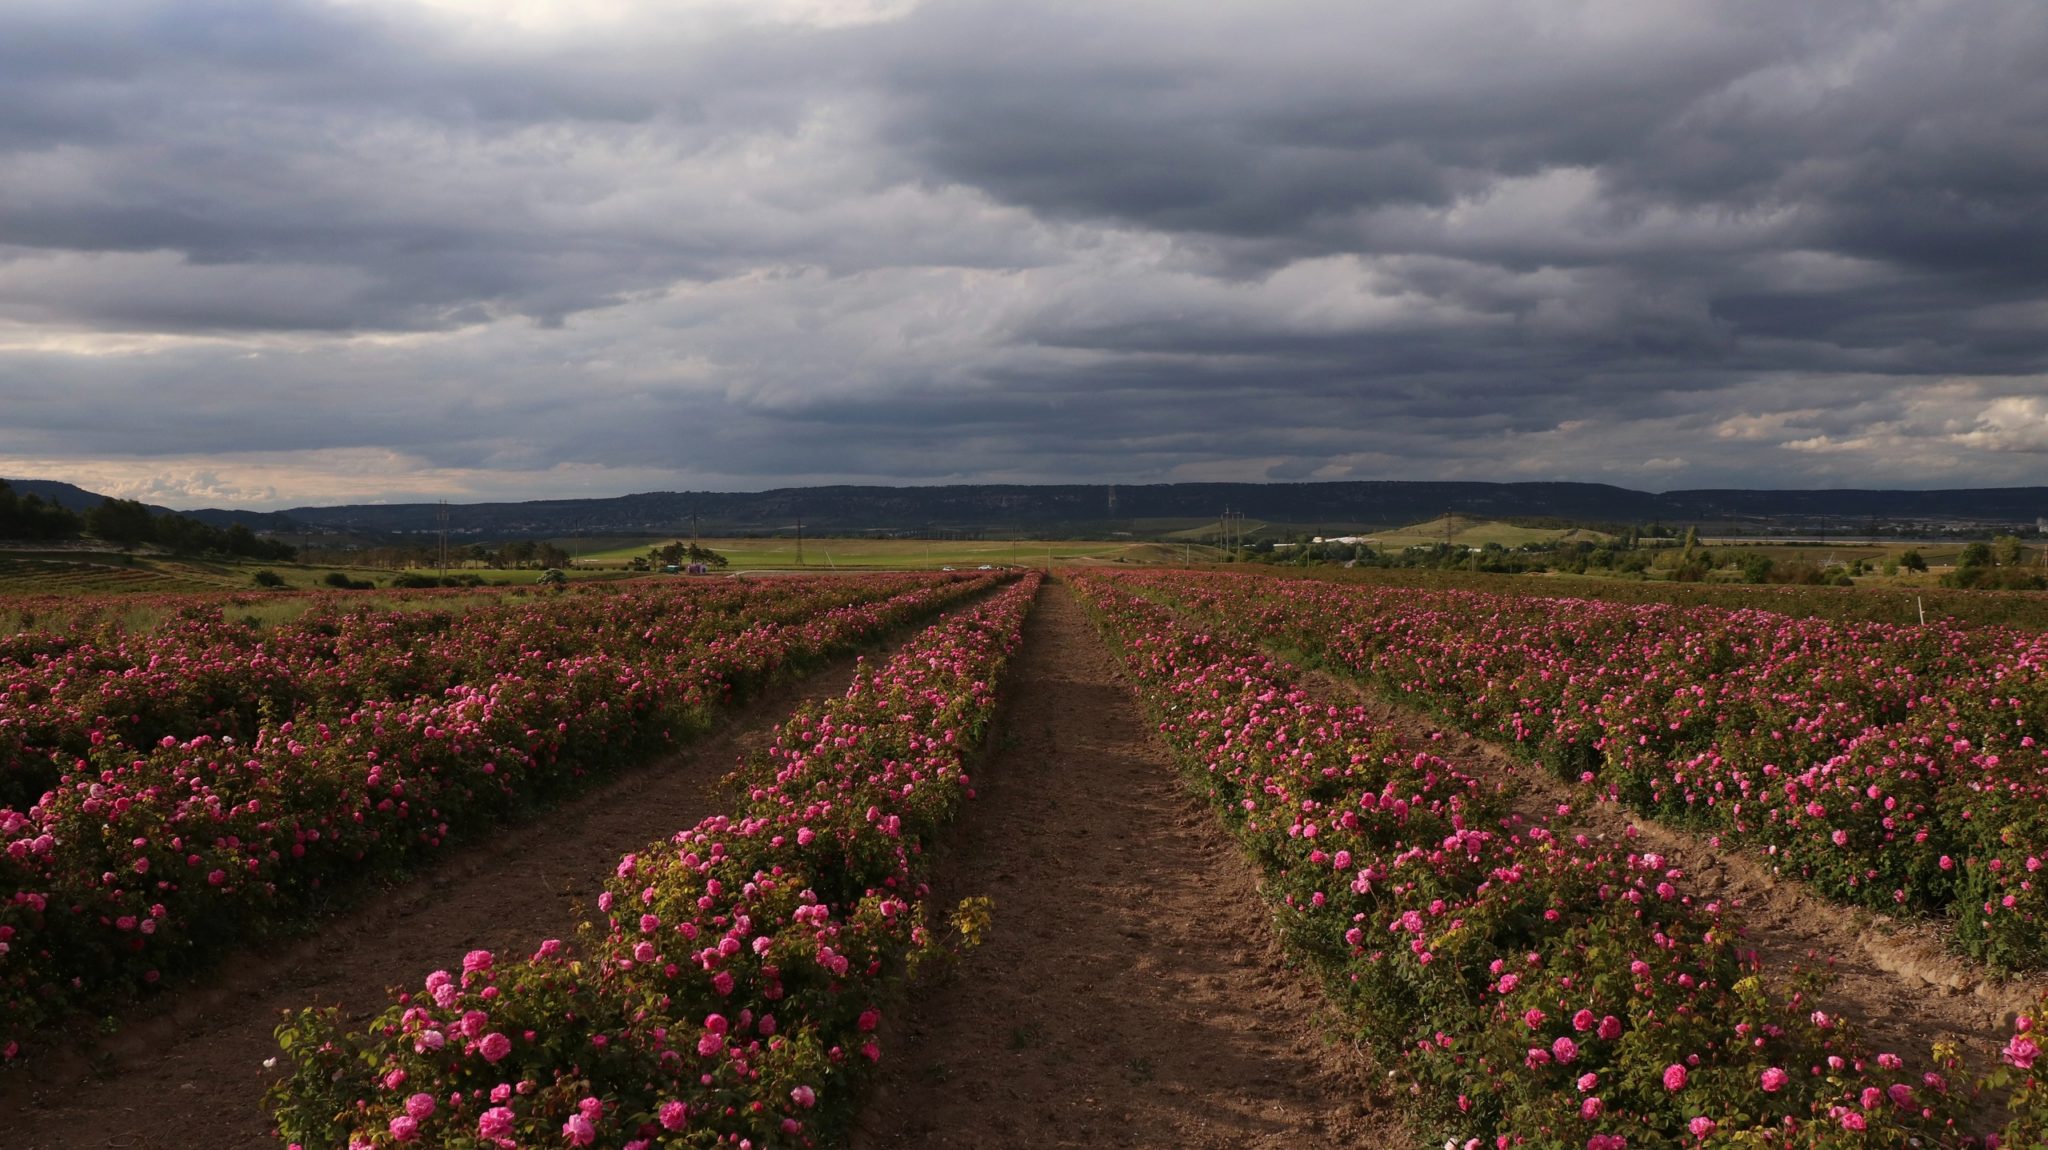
pixel 429 1040
pixel 805 1096
pixel 548 949
pixel 1591 1108
pixel 394 1079
pixel 494 1046
pixel 1564 1050
pixel 446 994
pixel 722 982
pixel 473 1023
pixel 1674 1077
pixel 1582 1021
pixel 1588 1082
pixel 1702 1126
pixel 1851 1120
pixel 674 1115
pixel 1533 1018
pixel 579 1130
pixel 476 960
pixel 1610 1028
pixel 405 1128
pixel 1774 1080
pixel 2022 1051
pixel 495 1123
pixel 420 1107
pixel 710 1044
pixel 1537 1058
pixel 1508 982
pixel 649 923
pixel 643 952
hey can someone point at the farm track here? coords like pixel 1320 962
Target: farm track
pixel 1895 981
pixel 1130 992
pixel 191 1075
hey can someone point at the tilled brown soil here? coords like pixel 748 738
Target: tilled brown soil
pixel 191 1075
pixel 1130 993
pixel 1893 980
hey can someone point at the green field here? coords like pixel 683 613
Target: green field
pixel 1464 531
pixel 81 572
pixel 824 554
pixel 91 573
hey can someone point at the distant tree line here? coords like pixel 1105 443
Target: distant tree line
pixel 129 524
pixel 30 516
pixel 2004 563
pixel 675 555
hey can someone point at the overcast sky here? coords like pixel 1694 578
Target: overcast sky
pixel 261 253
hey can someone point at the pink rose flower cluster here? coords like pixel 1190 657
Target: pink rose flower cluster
pixel 730 989
pixel 209 771
pixel 1885 764
pixel 1565 984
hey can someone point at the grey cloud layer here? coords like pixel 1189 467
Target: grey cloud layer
pixel 1673 244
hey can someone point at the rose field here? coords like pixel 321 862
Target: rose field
pixel 1127 857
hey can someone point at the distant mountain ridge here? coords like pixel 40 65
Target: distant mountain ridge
pixel 69 496
pixel 1088 508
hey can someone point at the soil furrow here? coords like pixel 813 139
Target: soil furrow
pixel 191 1074
pixel 1894 981
pixel 1130 992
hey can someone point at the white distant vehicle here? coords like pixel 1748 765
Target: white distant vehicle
pixel 945 568
pixel 985 567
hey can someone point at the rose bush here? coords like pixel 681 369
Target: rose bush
pixel 1529 984
pixel 730 991
pixel 376 737
pixel 1898 768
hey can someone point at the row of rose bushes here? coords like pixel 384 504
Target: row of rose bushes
pixel 204 673
pixel 142 863
pixel 730 995
pixel 1531 985
pixel 1897 768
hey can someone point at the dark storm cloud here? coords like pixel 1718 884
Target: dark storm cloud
pixel 1668 245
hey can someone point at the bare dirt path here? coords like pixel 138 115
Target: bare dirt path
pixel 1130 993
pixel 192 1076
pixel 1895 980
